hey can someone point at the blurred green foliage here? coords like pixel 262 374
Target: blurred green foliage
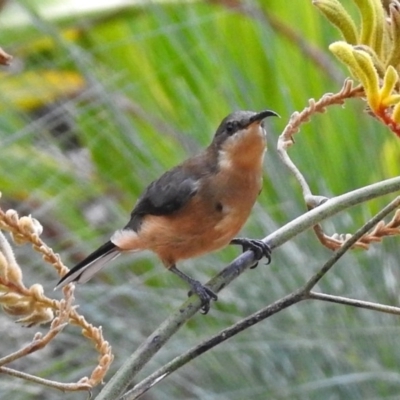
pixel 151 85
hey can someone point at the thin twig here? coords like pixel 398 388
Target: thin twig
pixel 46 382
pixel 355 303
pixel 35 345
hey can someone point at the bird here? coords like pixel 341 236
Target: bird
pixel 197 207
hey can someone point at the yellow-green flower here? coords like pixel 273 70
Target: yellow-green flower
pixel 371 52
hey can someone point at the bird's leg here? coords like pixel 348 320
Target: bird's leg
pixel 258 247
pixel 205 294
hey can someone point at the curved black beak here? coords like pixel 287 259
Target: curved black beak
pixel 261 115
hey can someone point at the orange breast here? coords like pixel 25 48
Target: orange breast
pixel 208 222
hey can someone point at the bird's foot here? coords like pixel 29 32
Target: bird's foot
pixel 258 247
pixel 205 294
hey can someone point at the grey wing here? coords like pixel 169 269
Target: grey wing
pixel 165 195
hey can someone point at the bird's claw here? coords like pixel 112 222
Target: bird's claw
pixel 205 294
pixel 258 247
pixel 254 265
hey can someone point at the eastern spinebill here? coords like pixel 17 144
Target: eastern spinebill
pixel 196 207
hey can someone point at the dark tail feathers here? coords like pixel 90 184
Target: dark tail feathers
pixel 93 263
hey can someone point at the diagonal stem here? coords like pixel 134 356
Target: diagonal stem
pixel 368 305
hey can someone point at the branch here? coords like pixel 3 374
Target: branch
pixel 279 305
pixel 124 376
pixel 355 303
pixel 45 382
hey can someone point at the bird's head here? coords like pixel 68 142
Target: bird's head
pixel 241 137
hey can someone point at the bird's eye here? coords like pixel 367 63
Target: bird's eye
pixel 230 128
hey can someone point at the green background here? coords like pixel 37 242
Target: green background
pixel 137 89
